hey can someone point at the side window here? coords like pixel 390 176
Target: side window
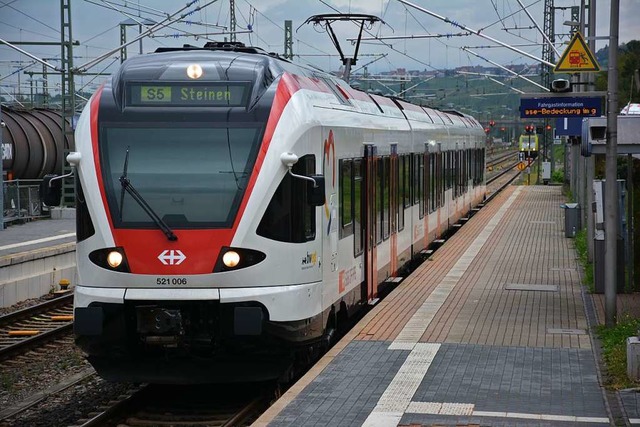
pixel 432 182
pixel 440 174
pixel 401 191
pixel 427 182
pixel 415 178
pixel 289 218
pixel 405 176
pixel 84 225
pixel 346 198
pixel 379 198
pixel 386 197
pixel 420 183
pixel 358 231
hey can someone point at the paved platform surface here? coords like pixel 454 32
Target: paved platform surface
pixel 493 330
pixel 43 233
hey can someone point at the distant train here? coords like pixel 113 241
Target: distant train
pixel 233 209
pixel 528 144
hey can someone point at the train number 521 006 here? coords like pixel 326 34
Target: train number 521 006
pixel 171 281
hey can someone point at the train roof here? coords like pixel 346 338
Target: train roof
pixel 249 64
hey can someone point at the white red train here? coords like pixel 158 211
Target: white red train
pixel 233 208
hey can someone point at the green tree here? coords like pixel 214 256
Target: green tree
pixel 628 62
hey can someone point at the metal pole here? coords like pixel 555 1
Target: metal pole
pixel 528 161
pixel 611 192
pixel 591 160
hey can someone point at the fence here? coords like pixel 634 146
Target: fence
pixel 21 200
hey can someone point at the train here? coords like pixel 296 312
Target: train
pixel 235 210
pixel 528 145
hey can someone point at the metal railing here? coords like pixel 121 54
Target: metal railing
pixel 21 200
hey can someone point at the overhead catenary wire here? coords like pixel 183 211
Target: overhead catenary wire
pixel 506 69
pixel 154 28
pixel 538 27
pixel 476 32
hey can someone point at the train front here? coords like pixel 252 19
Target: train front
pixel 170 153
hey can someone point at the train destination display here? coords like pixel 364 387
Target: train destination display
pixel 193 95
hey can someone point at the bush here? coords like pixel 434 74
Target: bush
pixel 614 351
pixel 557 176
pixel 581 247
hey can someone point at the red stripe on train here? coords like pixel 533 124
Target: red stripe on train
pixel 149 251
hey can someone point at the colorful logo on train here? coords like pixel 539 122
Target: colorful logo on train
pixel 329 155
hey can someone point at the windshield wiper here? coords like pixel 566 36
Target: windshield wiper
pixel 129 188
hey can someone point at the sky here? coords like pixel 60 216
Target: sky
pixel 95 24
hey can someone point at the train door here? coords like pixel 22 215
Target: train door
pixel 393 208
pixel 370 212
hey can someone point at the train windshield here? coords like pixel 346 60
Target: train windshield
pixel 191 177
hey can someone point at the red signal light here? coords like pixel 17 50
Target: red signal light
pixel 548 127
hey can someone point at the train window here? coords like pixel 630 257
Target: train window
pixel 192 175
pixel 427 181
pixel 379 198
pixel 400 193
pixel 386 197
pixel 289 218
pixel 414 177
pixel 358 230
pixel 459 172
pixel 84 225
pixel 405 176
pixel 420 186
pixel 432 183
pixel 440 173
pixel 346 198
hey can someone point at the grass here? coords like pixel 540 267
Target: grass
pixel 613 340
pixel 614 352
pixel 581 248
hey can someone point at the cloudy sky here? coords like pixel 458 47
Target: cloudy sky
pixel 96 27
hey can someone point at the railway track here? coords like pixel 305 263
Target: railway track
pixel 32 326
pixel 216 406
pixel 502 158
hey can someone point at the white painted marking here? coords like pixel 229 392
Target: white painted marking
pixel 443 408
pixel 35 242
pixel 397 396
pixel 634 420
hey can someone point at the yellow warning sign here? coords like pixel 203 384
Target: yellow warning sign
pixel 577 58
pixel 522 166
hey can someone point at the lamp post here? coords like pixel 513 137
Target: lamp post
pixel 529 130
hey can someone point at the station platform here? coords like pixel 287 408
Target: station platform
pixel 34 257
pixel 492 330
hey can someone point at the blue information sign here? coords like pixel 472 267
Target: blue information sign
pixel 532 108
pixel 568 126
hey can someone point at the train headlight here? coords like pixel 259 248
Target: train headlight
pixel 231 259
pixel 237 258
pixel 194 71
pixel 114 259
